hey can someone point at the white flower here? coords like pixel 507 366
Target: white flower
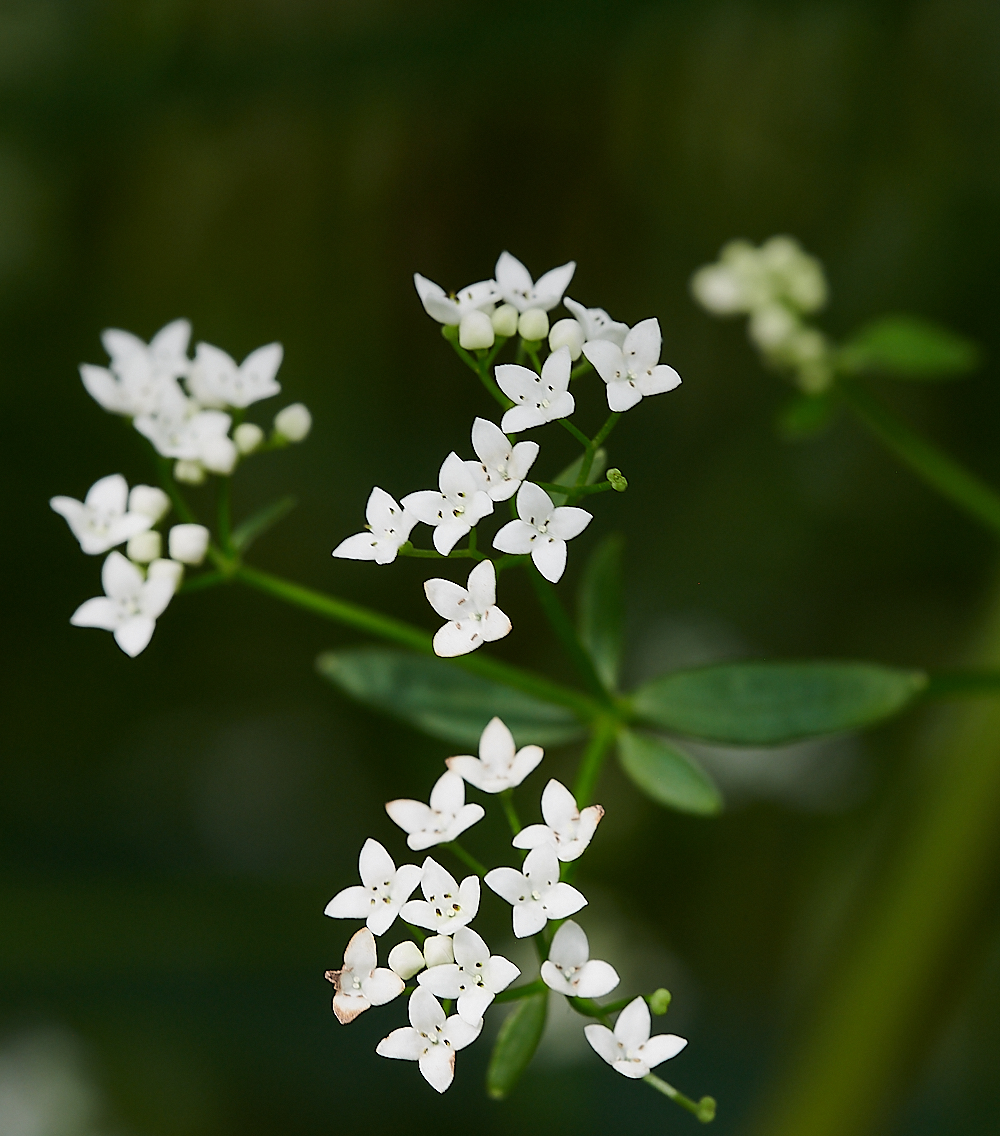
pixel 129 607
pixel 535 892
pixel 504 466
pixel 542 530
pixel 515 285
pixel 362 982
pixel 141 375
pixel 537 398
pixel 248 436
pixel 567 829
pixel 150 501
pixel 570 970
pixel 633 370
pixel 472 614
pixel 388 527
pixel 459 506
pixel 595 323
pixel 294 422
pixel 144 547
pixel 446 906
pixel 498 767
pixel 179 428
pixel 216 380
pixel 383 890
pixel 450 309
pixel 746 278
pixel 474 978
pixel 188 543
pixel 190 472
pixel 629 1048
pixel 444 819
pixel 102 519
pixel 430 1039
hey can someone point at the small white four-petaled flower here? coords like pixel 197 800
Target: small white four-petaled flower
pixel 383 890
pixel 216 380
pixel 388 527
pixel 472 612
pixel 447 905
pixel 537 398
pixel 596 323
pixel 498 766
pixel 542 530
pixel 141 375
pixel 633 370
pixel 130 605
pixel 430 1039
pixel 630 1049
pixel 504 466
pixel 361 982
pixel 570 970
pixel 449 310
pixel 567 828
pixel 516 287
pixel 102 519
pixel 457 508
pixel 474 978
pixel 445 818
pixel 535 892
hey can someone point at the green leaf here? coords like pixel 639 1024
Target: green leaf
pixel 807 415
pixel 601 608
pixel 569 475
pixel 442 700
pixel 911 348
pixel 774 703
pixel 256 525
pixel 516 1044
pixel 668 774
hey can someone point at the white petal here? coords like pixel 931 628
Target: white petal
pixel 156 594
pixel 623 396
pixel 642 346
pixel 448 599
pixel 436 879
pixel 427 505
pixel 351 903
pixel 513 280
pixel 470 769
pixel 632 1026
pixel 603 1042
pixel 362 546
pixel 98 612
pixel 411 816
pixel 569 946
pixel 109 494
pixel 473 1003
pixel 558 805
pixel 564 900
pixel 449 532
pixel 516 537
pixel 556 371
pixel 561 406
pixel 424 1011
pixel 522 459
pixel 454 639
pixel 104 388
pixel 465 818
pixel 534 505
pixel 360 954
pixel 407 878
pixel 529 919
pixel 533 836
pixel 607 359
pixel 550 286
pixel 596 979
pixel 460 1033
pixel 420 913
pixel 470 948
pixel 508 883
pixel 634 1070
pixel 120 577
pixel 382 987
pixel 381 511
pixel 443 981
pixel 520 418
pixel 403 1044
pixel 134 634
pixel 661 1048
pixel 662 379
pixel 375 865
pixel 437 1065
pixel 494 625
pixel 437 304
pixel 526 760
pixel 568 522
pixel 555 980
pixel 489 442
pixel 496 745
pixel 500 973
pixel 549 556
pixel 348 1006
pixel 482 585
pixel 468 897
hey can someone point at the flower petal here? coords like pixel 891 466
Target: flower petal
pixel 473 1003
pixel 533 836
pixel 403 1044
pixel 465 818
pixel 529 919
pixel 550 286
pixel 570 947
pixel 108 495
pixel 489 442
pixel 564 900
pixel 508 883
pixel 494 625
pixel 516 537
pixel 351 903
pixel 632 1026
pixel 662 379
pixel 375 865
pixel 425 1011
pixel 520 418
pixel 98 612
pixel 661 1048
pixel 411 816
pixel 568 522
pixel 348 1006
pixel 525 761
pixel 470 948
pixel 548 554
pixel 360 954
pixel 606 358
pixel 449 600
pixel 382 986
pixel 443 981
pixel 499 973
pixel 482 585
pixel 134 634
pixel 361 546
pixel 623 396
pixel 596 979
pixel 555 980
pixel 558 805
pixel 496 746
pixel 603 1042
pixel 458 638
pixel 437 1066
pixel 642 346
pixel 120 577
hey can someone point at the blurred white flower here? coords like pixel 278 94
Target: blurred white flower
pixel 444 819
pixel 474 978
pixel 446 906
pixel 498 767
pixel 430 1039
pixel 179 428
pixel 472 614
pixel 629 1048
pixel 383 890
pixel 456 508
pixel 141 375
pixel 149 500
pixel 389 526
pixel 632 371
pixel 129 607
pixel 537 398
pixel 567 828
pixel 248 437
pixel 361 982
pixel 216 380
pixel 516 287
pixel 504 466
pixel 535 892
pixel 746 279
pixel 595 323
pixel 144 547
pixel 170 570
pixel 570 970
pixel 542 529
pixel 102 520
pixel 294 422
pixel 188 543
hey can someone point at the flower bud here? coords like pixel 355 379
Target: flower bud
pixel 659 1000
pixel 190 472
pixel 438 950
pixel 220 455
pixel 504 320
pixel 706 1110
pixel 475 331
pixel 533 324
pixel 618 482
pixel 248 436
pixel 149 501
pixel 171 570
pixel 294 422
pixel 188 543
pixel 567 333
pixel 405 959
pixel 144 546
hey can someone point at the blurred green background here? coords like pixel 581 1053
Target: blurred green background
pixel 277 169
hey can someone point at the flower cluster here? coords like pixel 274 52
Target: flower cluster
pixel 452 963
pixel 776 285
pixel 478 320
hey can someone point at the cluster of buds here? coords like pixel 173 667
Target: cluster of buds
pixel 776 285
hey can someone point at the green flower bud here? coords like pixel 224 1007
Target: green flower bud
pixel 619 485
pixel 658 1001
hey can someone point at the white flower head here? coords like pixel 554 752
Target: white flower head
pixel 634 370
pixel 504 466
pixel 537 398
pixel 141 375
pixel 389 527
pixel 430 1039
pixel 472 614
pixel 567 828
pixel 570 970
pixel 129 607
pixel 450 309
pixel 542 530
pixel 447 904
pixel 216 380
pixel 361 982
pixel 630 1049
pixel 102 519
pixel 381 894
pixel 457 508
pixel 535 892
pixel 596 323
pixel 516 286
pixel 474 978
pixel 179 428
pixel 444 819
pixel 497 767
pixel 745 278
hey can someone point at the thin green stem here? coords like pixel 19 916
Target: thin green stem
pixel 563 627
pixel 432 553
pixel 575 431
pixel 466 857
pixel 507 800
pixel 205 580
pixel 516 993
pixel 467 359
pixel 580 369
pixel 704 1109
pixel 586 465
pixel 169 486
pixel 601 739
pixel 224 507
pixel 417 932
pixel 570 490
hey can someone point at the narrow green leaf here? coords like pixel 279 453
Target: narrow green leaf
pixel 516 1044
pixel 569 475
pixel 807 415
pixel 910 348
pixel 258 523
pixel 668 774
pixel 601 608
pixel 774 703
pixel 441 700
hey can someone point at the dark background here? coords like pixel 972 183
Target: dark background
pixel 172 826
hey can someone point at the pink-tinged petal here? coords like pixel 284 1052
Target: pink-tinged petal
pixel 442 981
pixel 526 761
pixel 382 987
pixel 550 286
pixel 489 442
pixel 590 818
pixel 520 418
pixel 120 577
pixel 529 919
pixel 134 634
pixel 348 1006
pixel 425 1011
pixel 642 346
pixel 411 816
pixel 360 953
pixel 596 979
pixel 548 554
pixel 569 946
pixel 437 1066
pixel 448 599
pixel 632 1026
pixel 564 900
pixel 499 973
pixel 482 585
pixel 494 625
pixel 662 379
pixel 403 1044
pixel 454 639
pixel 361 546
pixel 508 883
pixel 473 1003
pixel 448 794
pixel 109 494
pixel 465 818
pixel 470 948
pixel 661 1048
pixel 496 745
pixel 351 903
pixel 98 612
pixel 427 505
pixel 623 396
pixel 470 769
pixel 603 1042
pixel 449 533
pixel 534 505
pixel 555 980
pixel 558 805
pixel 375 865
pixel 155 596
pixel 607 359
pixel 533 836
pixel 516 537
pixel 568 522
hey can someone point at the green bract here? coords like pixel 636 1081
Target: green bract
pixel 516 1044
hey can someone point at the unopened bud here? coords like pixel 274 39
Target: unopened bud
pixel 706 1110
pixel 188 543
pixel 475 331
pixel 220 456
pixel 567 333
pixel 149 501
pixel 533 324
pixel 438 950
pixel 144 546
pixel 504 320
pixel 294 422
pixel 172 570
pixel 405 959
pixel 618 482
pixel 190 472
pixel 248 436
pixel 659 1000
pixel 450 332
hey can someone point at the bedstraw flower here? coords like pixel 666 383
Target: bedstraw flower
pixel 629 1048
pixel 537 398
pixel 383 890
pixel 361 982
pixel 542 529
pixel 130 606
pixel 431 1039
pixel 472 614
pixel 632 371
pixel 102 519
pixel 570 970
pixel 567 828
pixel 389 527
pixel 504 465
pixel 216 380
pixel 444 819
pixel 535 892
pixel 498 766
pixel 516 287
pixel 595 323
pixel 446 906
pixel 474 978
pixel 458 506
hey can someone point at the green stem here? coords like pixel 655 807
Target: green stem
pixel 704 1109
pixel 580 369
pixel 603 735
pixel 224 507
pixel 466 857
pixel 205 580
pixel 563 627
pixel 571 490
pixel 507 800
pixel 515 993
pixel 575 431
pixel 934 466
pixel 169 486
pixel 963 683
